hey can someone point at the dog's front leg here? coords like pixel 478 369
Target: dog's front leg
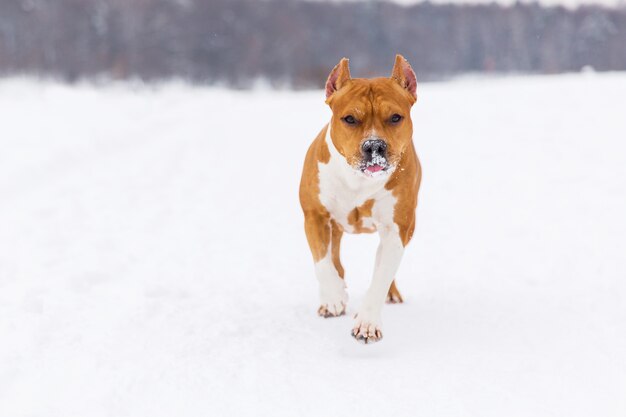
pixel 367 327
pixel 324 238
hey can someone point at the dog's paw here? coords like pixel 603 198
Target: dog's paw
pixel 394 298
pixel 393 295
pixel 332 309
pixel 333 298
pixel 366 329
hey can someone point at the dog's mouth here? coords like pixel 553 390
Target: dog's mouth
pixel 376 166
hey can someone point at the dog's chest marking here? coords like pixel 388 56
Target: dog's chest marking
pixel 361 214
pixel 356 203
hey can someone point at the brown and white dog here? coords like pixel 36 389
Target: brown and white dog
pixel 362 175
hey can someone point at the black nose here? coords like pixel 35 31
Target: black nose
pixel 374 146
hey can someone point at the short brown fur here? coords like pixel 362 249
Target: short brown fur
pixel 317 218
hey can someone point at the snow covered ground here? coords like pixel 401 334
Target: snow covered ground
pixel 153 260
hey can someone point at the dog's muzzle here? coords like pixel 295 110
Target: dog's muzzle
pixel 374 156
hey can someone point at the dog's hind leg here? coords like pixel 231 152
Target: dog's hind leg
pixel 324 238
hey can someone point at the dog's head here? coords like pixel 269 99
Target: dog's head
pixel 371 124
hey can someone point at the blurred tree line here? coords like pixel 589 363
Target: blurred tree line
pixel 296 43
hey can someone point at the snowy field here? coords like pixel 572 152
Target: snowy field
pixel 153 260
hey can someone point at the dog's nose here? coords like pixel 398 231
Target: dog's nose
pixel 374 146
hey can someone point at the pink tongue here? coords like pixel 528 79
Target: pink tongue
pixel 374 168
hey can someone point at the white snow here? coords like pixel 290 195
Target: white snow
pixel 153 259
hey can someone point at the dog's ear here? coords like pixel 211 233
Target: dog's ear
pixel 338 76
pixel 404 75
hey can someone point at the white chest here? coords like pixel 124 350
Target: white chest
pixel 342 189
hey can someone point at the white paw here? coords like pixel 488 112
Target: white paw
pixel 333 302
pixel 333 295
pixel 367 328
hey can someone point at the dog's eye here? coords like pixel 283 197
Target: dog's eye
pixel 349 119
pixel 395 118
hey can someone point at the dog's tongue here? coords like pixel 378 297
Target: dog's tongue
pixel 374 168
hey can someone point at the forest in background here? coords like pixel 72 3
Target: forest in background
pixel 293 43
